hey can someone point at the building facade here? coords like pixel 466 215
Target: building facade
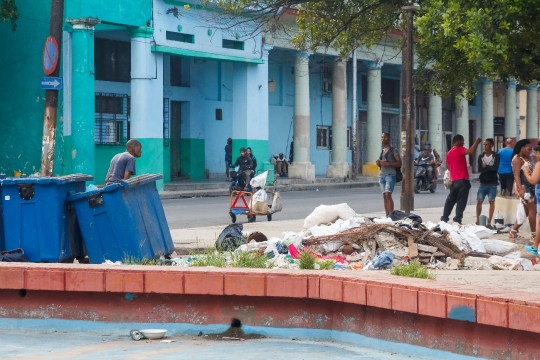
pixel 164 72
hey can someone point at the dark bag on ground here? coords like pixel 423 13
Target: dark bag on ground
pixel 16 255
pixel 400 215
pixel 231 238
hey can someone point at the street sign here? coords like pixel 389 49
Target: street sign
pixel 50 56
pixel 51 83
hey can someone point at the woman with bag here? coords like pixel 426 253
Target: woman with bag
pixel 533 177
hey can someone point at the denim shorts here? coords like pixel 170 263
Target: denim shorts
pixel 486 190
pixel 537 193
pixel 387 183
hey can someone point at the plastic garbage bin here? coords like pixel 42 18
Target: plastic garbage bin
pixel 124 220
pixel 37 217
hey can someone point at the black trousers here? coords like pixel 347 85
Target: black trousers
pixel 459 193
pixel 507 182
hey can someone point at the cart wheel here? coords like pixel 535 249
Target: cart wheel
pixel 251 218
pixel 269 217
pixel 233 217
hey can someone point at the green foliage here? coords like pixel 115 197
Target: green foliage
pixel 9 12
pixel 459 40
pixel 244 259
pixel 132 260
pixel 413 269
pixel 208 257
pixel 307 260
pixel 327 264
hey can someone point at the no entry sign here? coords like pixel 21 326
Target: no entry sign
pixel 50 56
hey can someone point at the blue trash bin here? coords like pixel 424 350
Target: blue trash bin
pixel 124 220
pixel 36 217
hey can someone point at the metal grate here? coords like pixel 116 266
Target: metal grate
pixel 111 119
pixel 166 122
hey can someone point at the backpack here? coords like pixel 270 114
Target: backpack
pixel 399 174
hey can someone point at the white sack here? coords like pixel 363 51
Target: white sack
pixel 322 230
pixel 474 242
pixel 526 264
pixel 455 236
pixel 260 196
pixel 499 247
pixel 277 205
pixel 521 216
pixel 481 231
pixel 325 214
pixel 259 180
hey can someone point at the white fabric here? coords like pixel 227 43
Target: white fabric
pixel 325 214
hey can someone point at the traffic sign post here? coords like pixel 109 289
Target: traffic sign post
pixel 50 55
pixel 51 83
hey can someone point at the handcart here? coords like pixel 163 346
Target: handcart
pixel 241 203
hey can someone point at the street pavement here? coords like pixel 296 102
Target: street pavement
pixel 211 211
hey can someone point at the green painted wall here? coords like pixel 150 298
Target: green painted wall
pixel 151 161
pixel 104 154
pixel 167 164
pixel 121 12
pixel 192 158
pixel 21 98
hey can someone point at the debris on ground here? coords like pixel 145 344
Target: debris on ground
pixel 335 237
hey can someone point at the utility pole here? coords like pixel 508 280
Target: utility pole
pixel 51 96
pixel 407 110
pixel 354 120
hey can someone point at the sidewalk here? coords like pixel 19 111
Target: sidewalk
pixel 220 187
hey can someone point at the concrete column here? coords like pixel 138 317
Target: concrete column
pixel 435 123
pixel 462 119
pixel 510 111
pixel 83 96
pixel 532 114
pixel 250 108
pixel 301 168
pixel 487 110
pixel 339 168
pixel 147 102
pixel 374 120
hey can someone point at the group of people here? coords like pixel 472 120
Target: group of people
pixel 513 167
pixel 248 162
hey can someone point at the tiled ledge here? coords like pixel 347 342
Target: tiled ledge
pixel 500 308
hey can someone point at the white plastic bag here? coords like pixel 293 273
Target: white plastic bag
pixel 498 247
pixel 481 231
pixel 526 264
pixel 521 216
pixel 260 196
pixel 259 180
pixel 325 214
pixel 447 179
pixel 277 205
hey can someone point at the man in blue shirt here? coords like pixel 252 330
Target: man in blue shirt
pixel 506 176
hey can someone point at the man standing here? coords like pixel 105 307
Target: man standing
pixel 489 164
pixel 123 164
pixel 388 161
pixel 459 174
pixel 506 176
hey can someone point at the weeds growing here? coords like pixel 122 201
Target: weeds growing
pixel 132 260
pixel 209 257
pixel 307 260
pixel 244 259
pixel 327 264
pixel 413 269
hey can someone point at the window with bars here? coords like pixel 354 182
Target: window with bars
pixel 323 137
pixel 327 79
pixel 111 119
pixel 166 122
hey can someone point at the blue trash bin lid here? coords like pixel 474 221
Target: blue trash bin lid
pixel 81 195
pixel 47 180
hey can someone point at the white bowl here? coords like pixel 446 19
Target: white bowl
pixel 153 333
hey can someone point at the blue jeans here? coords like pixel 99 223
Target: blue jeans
pixel 486 190
pixel 387 183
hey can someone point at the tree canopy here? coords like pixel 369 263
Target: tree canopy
pixel 456 40
pixel 8 12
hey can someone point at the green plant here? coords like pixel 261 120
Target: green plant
pixel 132 260
pixel 208 257
pixel 327 264
pixel 244 259
pixel 413 269
pixel 307 260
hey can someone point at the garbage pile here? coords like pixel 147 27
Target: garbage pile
pixel 335 237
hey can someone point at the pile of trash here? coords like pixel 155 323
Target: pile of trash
pixel 357 242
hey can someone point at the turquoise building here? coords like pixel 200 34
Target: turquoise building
pixel 164 72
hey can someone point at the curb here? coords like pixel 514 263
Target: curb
pixel 184 194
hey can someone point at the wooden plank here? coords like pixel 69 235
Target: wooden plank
pixel 427 248
pixel 413 247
